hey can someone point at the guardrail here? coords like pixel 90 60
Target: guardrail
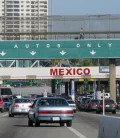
pixel 62 35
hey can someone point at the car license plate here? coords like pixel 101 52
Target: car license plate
pixel 23 110
pixel 107 106
pixel 56 118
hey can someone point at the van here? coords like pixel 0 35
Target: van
pixel 5 92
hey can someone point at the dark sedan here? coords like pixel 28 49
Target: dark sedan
pixel 110 106
pixel 92 105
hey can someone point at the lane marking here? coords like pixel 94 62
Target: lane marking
pixel 76 132
pixel 4 115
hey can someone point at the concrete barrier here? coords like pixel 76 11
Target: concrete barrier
pixel 109 127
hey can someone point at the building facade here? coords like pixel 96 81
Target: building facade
pixel 25 16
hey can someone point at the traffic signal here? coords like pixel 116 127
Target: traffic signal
pixel 5 82
pixel 31 82
pixel 57 83
pixel 86 81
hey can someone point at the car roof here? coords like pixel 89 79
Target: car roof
pixel 22 98
pixel 51 98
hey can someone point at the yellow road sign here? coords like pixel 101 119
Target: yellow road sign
pixel 58 77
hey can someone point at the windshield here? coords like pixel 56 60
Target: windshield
pixel 71 102
pixel 22 101
pixel 53 102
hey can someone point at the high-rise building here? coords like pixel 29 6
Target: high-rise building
pixel 23 16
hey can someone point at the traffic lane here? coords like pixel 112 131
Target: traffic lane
pixel 86 124
pixel 106 113
pixel 17 127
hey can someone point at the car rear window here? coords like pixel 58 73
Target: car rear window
pixel 53 102
pixel 108 102
pixel 94 101
pixel 71 102
pixel 5 100
pixel 22 101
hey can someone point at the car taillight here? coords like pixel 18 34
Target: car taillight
pixel 101 105
pixel 16 105
pixel 1 103
pixel 92 104
pixel 114 105
pixel 55 112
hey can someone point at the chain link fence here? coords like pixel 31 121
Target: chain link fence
pixel 60 27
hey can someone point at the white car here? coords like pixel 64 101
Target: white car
pixel 72 104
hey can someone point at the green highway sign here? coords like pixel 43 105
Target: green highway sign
pixel 56 49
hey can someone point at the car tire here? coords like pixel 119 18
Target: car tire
pixel 98 112
pixel 74 111
pixel 30 123
pixel 62 124
pixel 10 115
pixel 2 110
pixel 37 123
pixel 113 112
pixel 69 123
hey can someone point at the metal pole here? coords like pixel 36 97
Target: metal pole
pixel 51 17
pixel 20 89
pixel 103 102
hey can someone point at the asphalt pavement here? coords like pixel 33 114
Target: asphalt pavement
pixel 85 125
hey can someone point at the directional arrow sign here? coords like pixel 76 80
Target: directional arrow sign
pixel 62 52
pixel 33 53
pixel 93 52
pixel 2 53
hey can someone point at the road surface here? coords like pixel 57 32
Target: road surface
pixel 85 125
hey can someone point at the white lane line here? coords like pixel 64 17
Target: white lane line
pixel 76 132
pixel 4 115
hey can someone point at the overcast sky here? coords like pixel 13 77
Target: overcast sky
pixel 84 7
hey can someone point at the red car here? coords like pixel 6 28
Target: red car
pixel 1 104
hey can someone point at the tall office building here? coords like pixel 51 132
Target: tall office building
pixel 23 16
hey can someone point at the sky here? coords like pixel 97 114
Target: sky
pixel 84 7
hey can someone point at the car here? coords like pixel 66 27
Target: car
pixel 20 106
pixel 7 102
pixel 82 103
pixel 72 104
pixel 50 110
pixel 92 105
pixel 110 106
pixel 1 104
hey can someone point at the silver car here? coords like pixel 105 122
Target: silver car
pixel 72 104
pixel 20 106
pixel 50 110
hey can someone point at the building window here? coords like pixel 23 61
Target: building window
pixel 16 10
pixel 16 2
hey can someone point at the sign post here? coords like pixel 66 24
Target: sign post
pixel 103 102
